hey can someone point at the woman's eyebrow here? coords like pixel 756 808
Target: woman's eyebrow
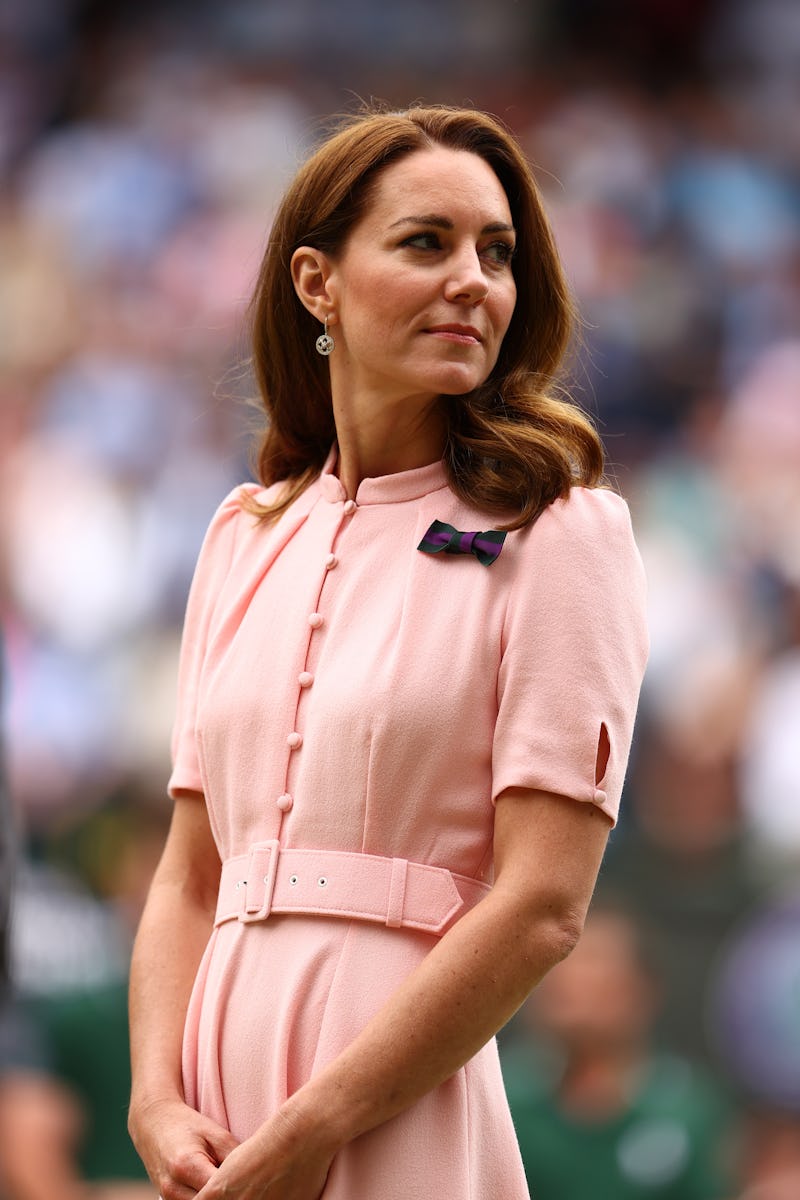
pixel 439 222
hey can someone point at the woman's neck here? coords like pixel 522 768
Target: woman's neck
pixel 383 441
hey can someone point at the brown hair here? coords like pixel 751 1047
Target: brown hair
pixel 513 445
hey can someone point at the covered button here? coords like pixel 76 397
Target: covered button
pixel 315 620
pixel 305 679
pixel 294 740
pixel 284 802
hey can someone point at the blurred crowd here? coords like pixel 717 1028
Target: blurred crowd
pixel 142 151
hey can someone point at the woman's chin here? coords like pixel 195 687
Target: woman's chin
pixel 458 383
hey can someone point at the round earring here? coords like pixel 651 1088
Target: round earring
pixel 325 343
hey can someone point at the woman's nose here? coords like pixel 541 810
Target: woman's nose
pixel 466 281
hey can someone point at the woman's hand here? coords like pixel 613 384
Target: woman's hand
pixel 181 1149
pixel 279 1162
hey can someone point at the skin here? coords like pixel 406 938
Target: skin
pixel 400 300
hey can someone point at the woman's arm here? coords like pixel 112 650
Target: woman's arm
pixel 547 853
pixel 180 1148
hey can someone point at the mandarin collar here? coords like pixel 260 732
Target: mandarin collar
pixel 384 489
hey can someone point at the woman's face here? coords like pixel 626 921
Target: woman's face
pixel 423 290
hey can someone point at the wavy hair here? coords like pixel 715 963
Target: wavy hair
pixel 513 444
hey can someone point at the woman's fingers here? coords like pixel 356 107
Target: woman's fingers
pixel 180 1148
pixel 221 1141
pixel 257 1172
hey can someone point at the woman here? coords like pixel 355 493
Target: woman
pixel 381 731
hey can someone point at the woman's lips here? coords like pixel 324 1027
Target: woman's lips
pixel 467 335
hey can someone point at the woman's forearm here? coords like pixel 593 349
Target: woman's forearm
pixel 172 936
pixel 181 1149
pixel 469 985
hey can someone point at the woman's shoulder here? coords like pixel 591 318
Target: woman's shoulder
pixel 237 507
pixel 586 533
pixel 589 510
pixel 588 523
pixel 234 520
pixel 584 511
pixel 591 520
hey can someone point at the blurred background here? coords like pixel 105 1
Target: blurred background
pixel 143 148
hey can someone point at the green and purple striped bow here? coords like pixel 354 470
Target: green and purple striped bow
pixel 485 546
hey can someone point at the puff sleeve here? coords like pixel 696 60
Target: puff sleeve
pixel 213 565
pixel 574 651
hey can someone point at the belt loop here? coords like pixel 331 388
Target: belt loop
pixel 397 893
pixel 262 871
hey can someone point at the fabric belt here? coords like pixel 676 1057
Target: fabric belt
pixel 391 891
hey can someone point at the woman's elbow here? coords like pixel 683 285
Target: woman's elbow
pixel 553 931
pixel 569 927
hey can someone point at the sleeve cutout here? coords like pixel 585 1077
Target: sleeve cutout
pixel 603 755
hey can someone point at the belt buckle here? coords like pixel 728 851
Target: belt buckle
pixel 262 868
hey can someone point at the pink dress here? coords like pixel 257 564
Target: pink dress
pixel 341 691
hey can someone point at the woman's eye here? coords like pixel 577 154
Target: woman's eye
pixel 499 252
pixel 423 241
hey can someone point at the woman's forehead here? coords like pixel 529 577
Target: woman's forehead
pixel 439 181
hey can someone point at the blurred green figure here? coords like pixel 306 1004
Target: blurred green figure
pixel 598 1112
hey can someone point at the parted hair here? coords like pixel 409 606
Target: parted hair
pixel 514 444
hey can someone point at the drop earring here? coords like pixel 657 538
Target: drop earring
pixel 325 343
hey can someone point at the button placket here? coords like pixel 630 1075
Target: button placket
pixel 305 678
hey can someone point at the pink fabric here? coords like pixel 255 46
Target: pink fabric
pixel 435 684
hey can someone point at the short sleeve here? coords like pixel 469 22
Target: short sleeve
pixel 574 654
pixel 213 565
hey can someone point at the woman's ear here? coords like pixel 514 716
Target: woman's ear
pixel 311 270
